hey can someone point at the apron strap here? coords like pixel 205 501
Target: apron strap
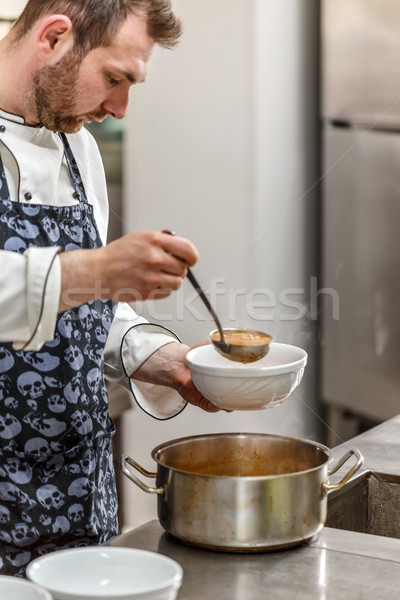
pixel 4 191
pixel 74 170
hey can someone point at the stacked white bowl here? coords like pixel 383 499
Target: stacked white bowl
pixel 107 573
pixel 13 588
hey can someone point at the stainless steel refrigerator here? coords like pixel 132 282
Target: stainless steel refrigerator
pixel 360 238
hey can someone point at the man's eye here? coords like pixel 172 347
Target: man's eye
pixel 112 80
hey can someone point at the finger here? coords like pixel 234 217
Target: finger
pixel 169 282
pixel 180 247
pixel 207 405
pixel 159 294
pixel 174 266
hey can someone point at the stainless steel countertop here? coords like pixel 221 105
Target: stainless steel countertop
pixel 336 564
pixel 380 447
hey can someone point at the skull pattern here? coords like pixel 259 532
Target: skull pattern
pixel 50 496
pixel 57 404
pixel 52 229
pixel 53 452
pixel 18 470
pixel 30 385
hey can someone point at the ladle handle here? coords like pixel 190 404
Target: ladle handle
pixel 202 295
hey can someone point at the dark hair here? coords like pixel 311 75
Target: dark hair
pixel 96 21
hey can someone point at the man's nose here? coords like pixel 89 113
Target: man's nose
pixel 117 104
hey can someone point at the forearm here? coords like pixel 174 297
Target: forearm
pixel 83 278
pixel 164 367
pixel 167 366
pixel 130 342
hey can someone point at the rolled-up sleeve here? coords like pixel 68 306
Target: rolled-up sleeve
pixel 30 286
pixel 130 342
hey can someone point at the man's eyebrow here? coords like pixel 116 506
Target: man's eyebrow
pixel 131 78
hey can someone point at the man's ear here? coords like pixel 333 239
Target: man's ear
pixel 54 38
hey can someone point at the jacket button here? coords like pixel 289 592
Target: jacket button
pixel 76 195
pixel 2 129
pixel 28 196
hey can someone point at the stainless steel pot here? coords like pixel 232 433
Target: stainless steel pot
pixel 242 491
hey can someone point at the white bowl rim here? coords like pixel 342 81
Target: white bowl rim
pixel 25 583
pixel 115 550
pixel 250 369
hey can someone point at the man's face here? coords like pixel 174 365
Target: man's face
pixel 73 91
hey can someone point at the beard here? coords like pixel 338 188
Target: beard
pixel 54 95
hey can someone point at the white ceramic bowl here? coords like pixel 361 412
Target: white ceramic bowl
pixel 14 588
pixel 251 386
pixel 106 572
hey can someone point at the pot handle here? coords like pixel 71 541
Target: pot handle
pixel 128 460
pixel 329 487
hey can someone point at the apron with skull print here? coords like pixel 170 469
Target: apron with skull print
pixel 57 486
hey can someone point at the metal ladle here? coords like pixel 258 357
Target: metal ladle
pixel 238 352
pixel 222 346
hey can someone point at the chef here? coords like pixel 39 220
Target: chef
pixel 64 322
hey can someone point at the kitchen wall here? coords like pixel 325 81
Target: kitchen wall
pixel 11 9
pixel 222 146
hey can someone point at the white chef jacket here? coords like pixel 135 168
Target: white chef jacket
pixel 30 283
